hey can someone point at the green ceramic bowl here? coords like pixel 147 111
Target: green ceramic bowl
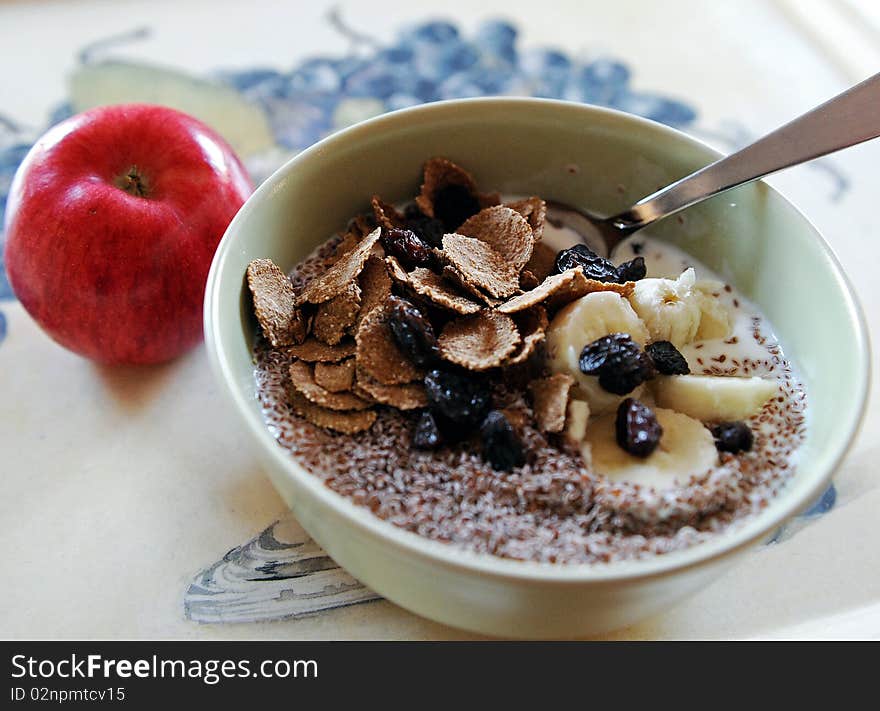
pixel 588 157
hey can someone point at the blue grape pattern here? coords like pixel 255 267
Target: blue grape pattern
pixel 819 507
pixel 823 504
pixel 432 61
pixel 10 157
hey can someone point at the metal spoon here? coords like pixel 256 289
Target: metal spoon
pixel 849 118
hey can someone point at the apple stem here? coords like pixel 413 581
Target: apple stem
pixel 132 182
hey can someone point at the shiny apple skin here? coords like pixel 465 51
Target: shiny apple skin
pixel 114 276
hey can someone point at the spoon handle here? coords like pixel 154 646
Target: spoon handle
pixel 847 119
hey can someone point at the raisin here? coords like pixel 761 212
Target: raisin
pixel 594 355
pixel 633 270
pixel 464 399
pixel 594 266
pixel 412 331
pixel 667 358
pixel 450 431
pixel 623 379
pixel 636 428
pixel 428 229
pixel 618 361
pixel 427 433
pixel 733 437
pixel 501 447
pixel 599 268
pixel 407 247
pixel 453 204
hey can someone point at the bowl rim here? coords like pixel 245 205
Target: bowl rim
pixel 727 543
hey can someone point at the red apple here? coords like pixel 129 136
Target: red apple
pixel 111 224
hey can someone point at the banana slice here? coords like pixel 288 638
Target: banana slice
pixel 686 449
pixel 582 322
pixel 576 420
pixel 716 320
pixel 713 397
pixel 670 308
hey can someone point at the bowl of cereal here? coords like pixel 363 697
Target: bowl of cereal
pixel 500 427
